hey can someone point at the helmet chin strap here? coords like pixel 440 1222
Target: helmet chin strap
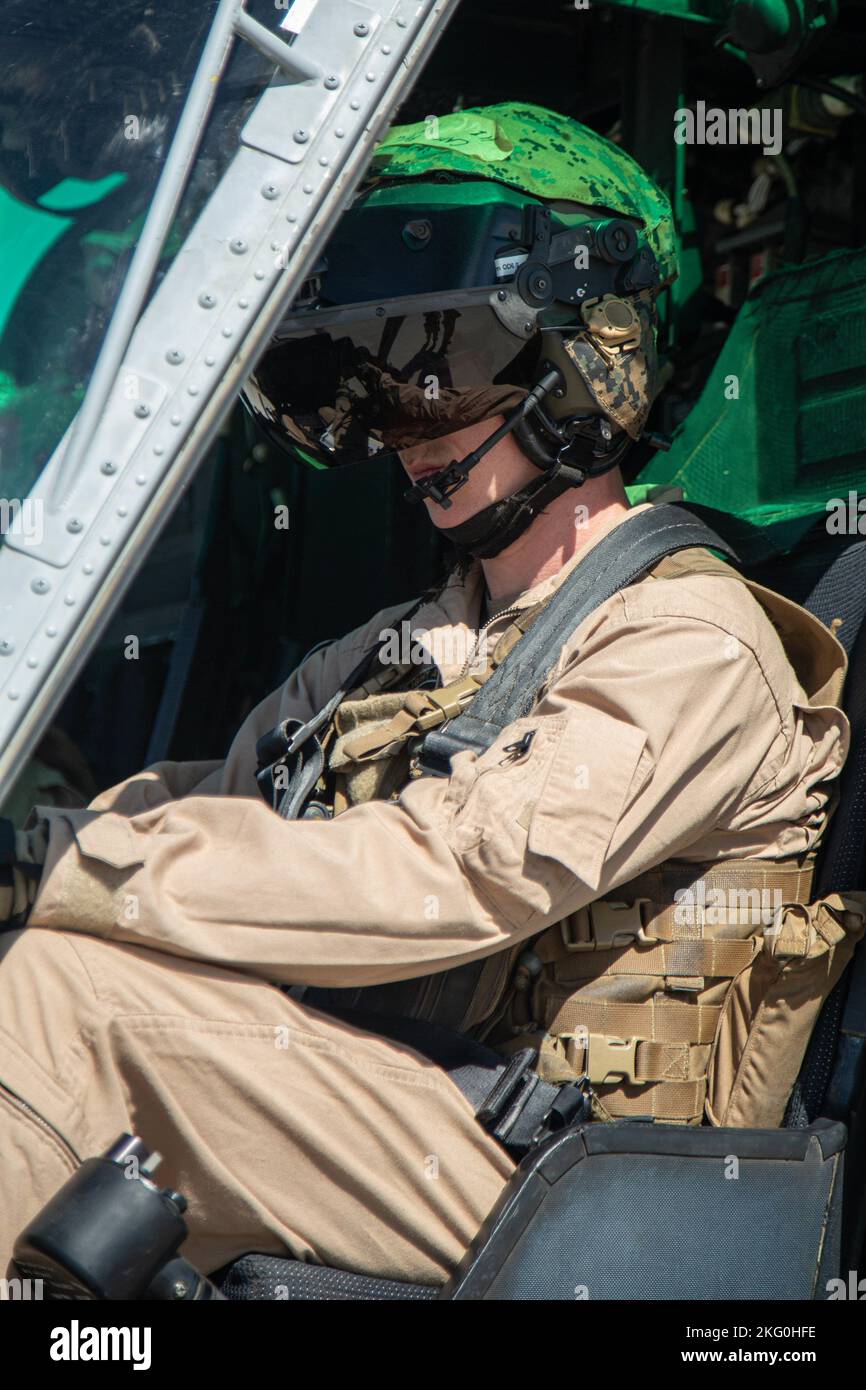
pixel 495 527
pixel 440 486
pixel 500 524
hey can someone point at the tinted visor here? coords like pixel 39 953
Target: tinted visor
pixel 341 385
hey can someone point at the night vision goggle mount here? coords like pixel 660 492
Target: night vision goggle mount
pixel 596 267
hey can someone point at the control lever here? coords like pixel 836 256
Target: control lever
pixel 111 1233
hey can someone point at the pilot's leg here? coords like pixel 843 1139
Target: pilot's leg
pixel 285 1129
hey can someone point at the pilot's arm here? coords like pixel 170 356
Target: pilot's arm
pixel 650 740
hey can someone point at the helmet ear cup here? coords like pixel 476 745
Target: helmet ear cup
pixel 533 444
pixel 542 447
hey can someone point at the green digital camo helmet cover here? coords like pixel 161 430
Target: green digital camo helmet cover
pixel 557 159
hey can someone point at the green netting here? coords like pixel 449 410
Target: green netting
pixel 780 428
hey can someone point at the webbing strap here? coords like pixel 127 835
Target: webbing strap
pixel 691 1023
pixel 604 1059
pixel 617 560
pixel 293 748
pixel 718 960
pixel 673 1102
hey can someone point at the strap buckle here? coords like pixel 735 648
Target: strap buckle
pixel 571 1106
pixel 448 702
pixel 521 1110
pixel 610 1059
pixel 610 924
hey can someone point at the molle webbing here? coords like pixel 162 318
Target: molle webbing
pixel 629 990
pixel 371 738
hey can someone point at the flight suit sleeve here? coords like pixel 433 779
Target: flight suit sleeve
pixel 647 738
pixel 300 697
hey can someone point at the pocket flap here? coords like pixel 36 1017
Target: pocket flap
pixel 586 787
pixel 107 837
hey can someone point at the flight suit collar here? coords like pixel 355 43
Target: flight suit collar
pixel 461 599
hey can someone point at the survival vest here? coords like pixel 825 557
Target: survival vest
pixel 686 993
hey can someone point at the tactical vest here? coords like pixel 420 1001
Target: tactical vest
pixel 642 992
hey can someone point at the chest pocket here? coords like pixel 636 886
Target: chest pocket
pixel 534 830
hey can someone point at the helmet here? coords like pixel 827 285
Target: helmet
pixel 502 260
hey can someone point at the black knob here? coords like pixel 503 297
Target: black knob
pixel 616 240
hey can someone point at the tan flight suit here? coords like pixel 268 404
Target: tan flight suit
pixel 143 997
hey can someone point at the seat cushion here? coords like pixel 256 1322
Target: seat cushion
pixel 268 1277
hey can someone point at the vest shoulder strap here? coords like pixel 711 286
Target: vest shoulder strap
pixel 617 560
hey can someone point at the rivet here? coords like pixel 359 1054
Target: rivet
pixel 142 410
pixel 386 48
pixel 159 449
pixel 69 600
pixel 104 540
pixel 6 647
pixel 401 23
pixel 308 188
pixel 141 479
pixel 362 30
pixel 260 275
pixel 32 662
pixel 371 76
pixel 74 525
pixel 108 467
pixel 122 511
pixel 206 299
pixel 227 332
pixel 175 419
pixel 501 295
pixel 51 631
pixel 355 104
pixel 332 82
pixel 339 132
pixel 270 191
pixel 290 217
pixel 40 586
pixel 244 303
pixel 237 246
pixel 301 136
pixel 192 390
pixel 324 161
pixel 209 360
pixel 88 568
pixel 174 356
pixel 527 327
pixel 13 694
